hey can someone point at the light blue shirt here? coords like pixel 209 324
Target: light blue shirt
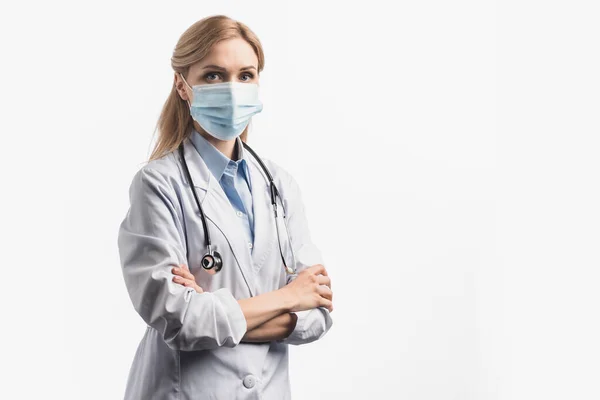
pixel 234 178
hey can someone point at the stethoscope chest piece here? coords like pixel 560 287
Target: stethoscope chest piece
pixel 212 263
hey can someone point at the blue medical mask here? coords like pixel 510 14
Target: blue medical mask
pixel 224 109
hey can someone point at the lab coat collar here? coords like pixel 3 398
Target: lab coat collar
pixel 199 176
pixel 215 160
pixel 219 210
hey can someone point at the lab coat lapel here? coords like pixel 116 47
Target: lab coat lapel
pixel 264 228
pixel 218 210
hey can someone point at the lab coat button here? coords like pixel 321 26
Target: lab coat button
pixel 249 245
pixel 240 214
pixel 249 381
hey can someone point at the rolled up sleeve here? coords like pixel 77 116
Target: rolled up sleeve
pixel 311 325
pixel 150 242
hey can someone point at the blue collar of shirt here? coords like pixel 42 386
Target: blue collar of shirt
pixel 215 160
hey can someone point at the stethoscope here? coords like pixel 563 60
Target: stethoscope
pixel 212 261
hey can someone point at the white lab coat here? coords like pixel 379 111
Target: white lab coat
pixel 191 348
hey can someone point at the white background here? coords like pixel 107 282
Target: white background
pixel 448 158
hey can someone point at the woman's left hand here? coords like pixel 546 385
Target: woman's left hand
pixel 184 277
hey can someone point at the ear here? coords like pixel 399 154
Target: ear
pixel 180 86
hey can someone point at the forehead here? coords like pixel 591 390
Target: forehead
pixel 231 54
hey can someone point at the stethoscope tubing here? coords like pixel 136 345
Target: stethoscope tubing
pixel 274 194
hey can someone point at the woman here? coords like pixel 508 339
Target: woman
pixel 223 292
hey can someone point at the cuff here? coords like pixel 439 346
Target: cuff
pixel 312 325
pixel 234 312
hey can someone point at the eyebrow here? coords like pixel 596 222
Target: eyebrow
pixel 223 69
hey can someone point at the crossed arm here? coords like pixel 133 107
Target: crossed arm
pixel 276 328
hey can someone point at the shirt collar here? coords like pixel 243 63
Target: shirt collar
pixel 215 160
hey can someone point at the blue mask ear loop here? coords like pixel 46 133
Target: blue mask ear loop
pixel 189 104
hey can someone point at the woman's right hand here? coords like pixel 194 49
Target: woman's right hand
pixel 310 289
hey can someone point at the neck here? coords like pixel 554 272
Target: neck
pixel 226 147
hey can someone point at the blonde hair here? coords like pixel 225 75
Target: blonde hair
pixel 175 122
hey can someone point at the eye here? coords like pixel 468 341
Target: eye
pixel 206 77
pixel 249 76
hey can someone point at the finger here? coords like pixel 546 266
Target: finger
pixel 179 279
pixel 188 275
pixel 184 266
pixel 184 282
pixel 188 283
pixel 324 280
pixel 183 273
pixel 328 304
pixel 325 292
pixel 318 269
